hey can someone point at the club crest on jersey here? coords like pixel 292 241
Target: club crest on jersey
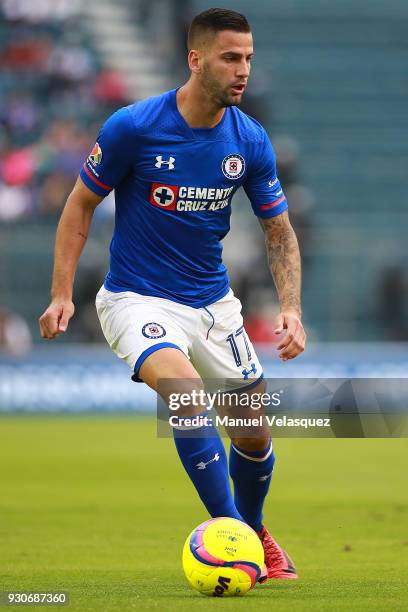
pixel 163 196
pixel 233 166
pixel 153 331
pixel 95 156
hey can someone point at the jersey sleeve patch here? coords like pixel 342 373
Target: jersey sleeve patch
pixel 109 162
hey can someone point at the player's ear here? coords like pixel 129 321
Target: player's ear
pixel 194 61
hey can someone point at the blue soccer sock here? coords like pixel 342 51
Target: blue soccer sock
pixel 251 473
pixel 204 459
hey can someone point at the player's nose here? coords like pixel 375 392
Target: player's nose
pixel 243 70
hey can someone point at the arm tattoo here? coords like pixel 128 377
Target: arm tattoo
pixel 284 259
pixel 82 235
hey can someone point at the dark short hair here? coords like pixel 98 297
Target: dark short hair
pixel 216 20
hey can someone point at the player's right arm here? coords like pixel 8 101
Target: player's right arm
pixel 107 165
pixel 72 233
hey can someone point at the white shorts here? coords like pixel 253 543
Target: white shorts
pixel 213 337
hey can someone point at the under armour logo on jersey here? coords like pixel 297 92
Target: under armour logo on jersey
pixel 203 464
pixel 165 162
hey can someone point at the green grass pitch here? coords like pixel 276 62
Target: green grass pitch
pixel 99 507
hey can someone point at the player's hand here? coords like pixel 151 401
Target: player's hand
pixel 293 343
pixel 55 319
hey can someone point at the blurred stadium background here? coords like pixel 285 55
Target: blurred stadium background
pixel 329 83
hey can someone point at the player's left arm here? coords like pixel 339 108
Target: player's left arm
pixel 285 265
pixel 269 204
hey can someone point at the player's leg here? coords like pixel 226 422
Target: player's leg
pixel 200 449
pixel 225 357
pixel 225 352
pixel 150 335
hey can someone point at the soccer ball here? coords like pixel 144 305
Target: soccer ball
pixel 223 557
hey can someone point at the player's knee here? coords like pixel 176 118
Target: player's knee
pixel 255 444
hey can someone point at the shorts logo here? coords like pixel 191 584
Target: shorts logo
pixel 153 331
pixel 233 166
pixel 164 196
pixel 95 157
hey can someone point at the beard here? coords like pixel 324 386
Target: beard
pixel 216 91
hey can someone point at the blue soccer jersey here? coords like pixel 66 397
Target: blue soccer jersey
pixel 173 190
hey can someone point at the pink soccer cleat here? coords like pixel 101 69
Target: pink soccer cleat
pixel 278 564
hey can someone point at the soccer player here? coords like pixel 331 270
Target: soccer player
pixel 166 308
